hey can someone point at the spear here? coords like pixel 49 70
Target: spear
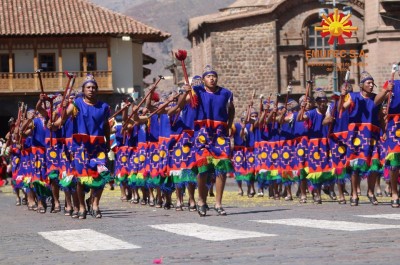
pixel 181 56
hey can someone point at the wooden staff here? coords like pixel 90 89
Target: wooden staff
pixel 164 105
pixel 346 83
pixel 288 92
pixel 266 110
pixel 127 105
pixel 143 100
pixel 274 114
pixel 308 88
pixel 336 98
pixel 24 109
pixel 38 71
pixel 67 92
pixel 248 114
pixel 181 56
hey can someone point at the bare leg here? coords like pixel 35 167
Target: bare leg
pixel 393 183
pixel 219 186
pixel 81 198
pixel 239 184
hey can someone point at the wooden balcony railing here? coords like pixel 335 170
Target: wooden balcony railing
pixel 27 83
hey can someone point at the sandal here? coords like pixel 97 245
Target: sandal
pixel 395 203
pixel 240 193
pixel 24 201
pixel 288 198
pixel 179 208
pixel 124 199
pixel 167 206
pixel 379 194
pixel 68 212
pixel 143 202
pixel 56 209
pixel 354 202
pixel 372 199
pixel 88 205
pixel 342 201
pixel 332 195
pixel 18 202
pixel 192 208
pixel 41 209
pixel 303 200
pixel 135 200
pixel 74 215
pixel 220 211
pixel 82 215
pixel 202 210
pixel 97 214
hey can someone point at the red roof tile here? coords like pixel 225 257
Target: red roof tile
pixel 69 17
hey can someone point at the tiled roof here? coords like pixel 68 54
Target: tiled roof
pixel 69 17
pixel 239 9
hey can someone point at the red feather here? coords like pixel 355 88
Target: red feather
pixel 181 55
pixel 155 97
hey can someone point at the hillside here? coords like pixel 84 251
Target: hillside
pixel 167 15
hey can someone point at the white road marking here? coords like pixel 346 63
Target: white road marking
pixel 392 216
pixel 85 240
pixel 325 224
pixel 206 232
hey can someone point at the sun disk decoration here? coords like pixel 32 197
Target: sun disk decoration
pixel 336 25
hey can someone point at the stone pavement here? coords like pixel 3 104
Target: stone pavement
pixel 272 232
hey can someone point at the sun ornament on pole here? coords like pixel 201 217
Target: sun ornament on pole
pixel 336 25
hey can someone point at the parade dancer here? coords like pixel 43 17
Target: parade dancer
pixel 91 143
pixel 337 135
pixel 363 160
pixel 214 118
pixel 391 92
pixel 318 166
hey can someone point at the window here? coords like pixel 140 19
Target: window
pixel 91 61
pixel 315 41
pixel 47 62
pixel 4 65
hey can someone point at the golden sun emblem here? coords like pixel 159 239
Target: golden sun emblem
pixel 336 25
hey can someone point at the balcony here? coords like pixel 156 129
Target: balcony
pixel 28 83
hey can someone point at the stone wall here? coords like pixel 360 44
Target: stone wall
pixel 243 52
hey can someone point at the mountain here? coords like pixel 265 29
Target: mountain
pixel 171 16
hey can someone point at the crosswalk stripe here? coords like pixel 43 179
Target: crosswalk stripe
pixel 206 232
pixel 326 224
pixel 393 216
pixel 85 240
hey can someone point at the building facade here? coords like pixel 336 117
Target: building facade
pixel 265 45
pixel 68 35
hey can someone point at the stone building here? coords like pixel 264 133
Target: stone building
pixel 262 45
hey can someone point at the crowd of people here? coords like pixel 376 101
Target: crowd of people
pixel 187 139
